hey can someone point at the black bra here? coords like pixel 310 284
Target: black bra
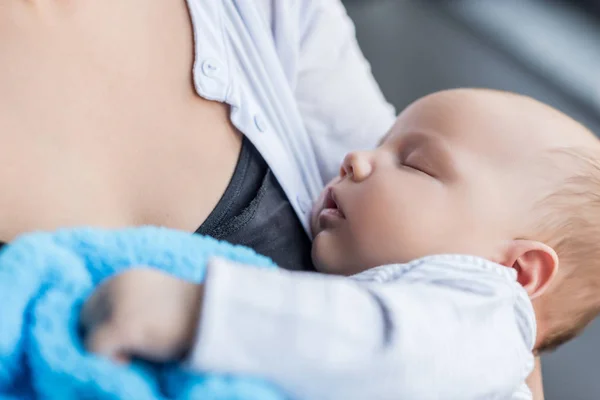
pixel 255 212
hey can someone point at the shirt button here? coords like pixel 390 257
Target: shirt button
pixel 260 123
pixel 211 67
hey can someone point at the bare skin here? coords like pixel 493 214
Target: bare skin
pixel 535 381
pixel 96 128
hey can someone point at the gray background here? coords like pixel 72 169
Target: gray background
pixel 419 46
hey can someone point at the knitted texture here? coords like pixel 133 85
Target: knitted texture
pixel 44 279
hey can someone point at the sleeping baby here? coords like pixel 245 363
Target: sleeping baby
pixel 452 253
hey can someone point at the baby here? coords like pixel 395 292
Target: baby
pixel 455 226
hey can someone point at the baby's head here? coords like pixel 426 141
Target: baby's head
pixel 478 172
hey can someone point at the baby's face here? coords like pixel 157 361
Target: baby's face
pixel 456 174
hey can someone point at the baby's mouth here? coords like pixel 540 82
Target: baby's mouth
pixel 331 206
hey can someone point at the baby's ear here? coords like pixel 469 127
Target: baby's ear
pixel 536 265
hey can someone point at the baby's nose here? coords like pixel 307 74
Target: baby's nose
pixel 357 166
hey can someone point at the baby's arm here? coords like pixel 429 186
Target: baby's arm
pixel 437 331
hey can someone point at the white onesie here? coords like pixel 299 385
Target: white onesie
pixel 445 327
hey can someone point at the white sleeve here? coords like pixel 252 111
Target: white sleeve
pixel 325 337
pixel 341 104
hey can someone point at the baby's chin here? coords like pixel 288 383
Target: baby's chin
pixel 328 259
pixel 318 262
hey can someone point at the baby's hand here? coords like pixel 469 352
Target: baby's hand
pixel 142 313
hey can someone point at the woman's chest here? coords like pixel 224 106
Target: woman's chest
pixel 99 120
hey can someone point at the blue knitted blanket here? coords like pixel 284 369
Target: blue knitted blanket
pixel 44 279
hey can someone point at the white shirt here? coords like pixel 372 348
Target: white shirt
pixel 439 328
pixel 297 83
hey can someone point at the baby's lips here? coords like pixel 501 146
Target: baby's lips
pixel 331 202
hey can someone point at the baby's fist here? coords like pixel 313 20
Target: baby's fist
pixel 142 313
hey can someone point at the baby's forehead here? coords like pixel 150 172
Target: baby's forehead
pixel 498 124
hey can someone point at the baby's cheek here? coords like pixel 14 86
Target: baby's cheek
pixel 383 239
